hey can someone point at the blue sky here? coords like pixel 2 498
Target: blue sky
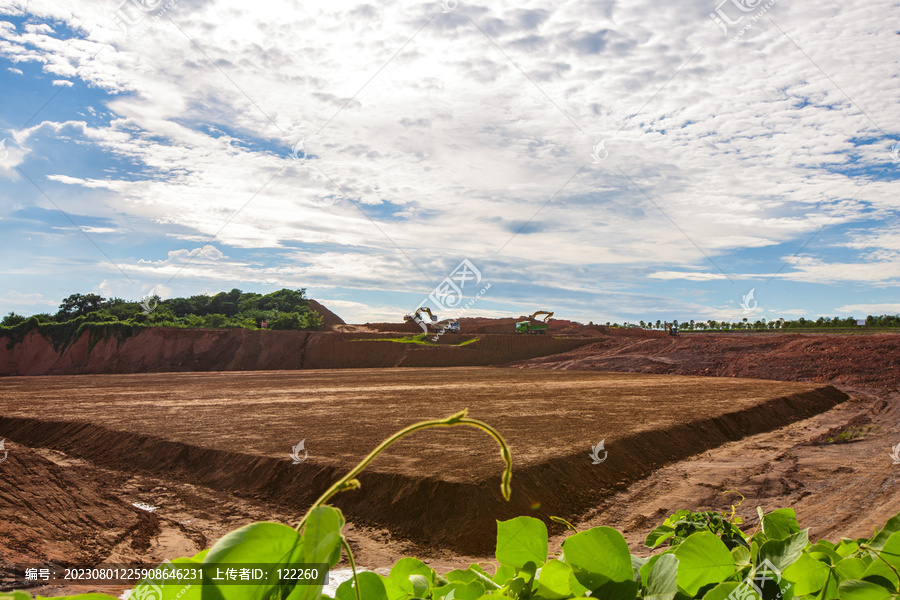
pixel 158 156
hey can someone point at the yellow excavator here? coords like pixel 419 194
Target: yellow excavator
pixel 445 326
pixel 418 317
pixel 539 328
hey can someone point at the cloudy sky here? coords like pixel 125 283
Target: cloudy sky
pixel 606 160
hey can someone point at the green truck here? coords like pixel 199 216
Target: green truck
pixel 530 327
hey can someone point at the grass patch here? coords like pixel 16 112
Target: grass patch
pixel 422 339
pixel 852 433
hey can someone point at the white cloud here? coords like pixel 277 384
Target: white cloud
pixel 450 149
pixel 16 298
pixel 870 309
pixel 62 83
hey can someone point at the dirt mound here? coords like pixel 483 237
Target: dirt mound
pixel 50 513
pixel 169 349
pixel 859 360
pixel 242 426
pixel 480 325
pixel 329 319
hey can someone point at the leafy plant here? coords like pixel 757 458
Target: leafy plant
pixel 684 523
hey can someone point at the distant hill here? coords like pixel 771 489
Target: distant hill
pixel 329 319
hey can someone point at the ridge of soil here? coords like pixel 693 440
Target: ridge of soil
pixel 166 349
pixel 871 361
pixel 420 481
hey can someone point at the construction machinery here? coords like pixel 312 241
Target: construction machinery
pixel 444 326
pixel 418 317
pixel 530 327
pixel 447 326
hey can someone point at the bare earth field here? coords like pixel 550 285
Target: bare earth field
pixel 210 451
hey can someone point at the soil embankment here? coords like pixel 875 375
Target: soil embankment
pixel 508 325
pixel 161 349
pixel 232 432
pixel 871 361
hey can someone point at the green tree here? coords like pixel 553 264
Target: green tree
pixel 12 319
pixel 78 305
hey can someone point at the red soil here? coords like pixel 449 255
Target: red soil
pixel 329 319
pixel 871 361
pixel 168 349
pixel 233 431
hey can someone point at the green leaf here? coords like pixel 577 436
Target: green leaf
pixel 553 581
pixel 659 535
pixel 723 591
pixel 271 543
pixel 645 569
pixel 854 589
pixel 846 547
pixel 597 556
pixel 779 524
pixel 461 591
pixel 405 567
pixel 372 586
pixel 890 528
pixel 419 583
pixel 851 568
pixel 321 544
pixel 180 591
pixel 24 596
pixel 503 574
pixel 637 563
pixel 662 581
pixel 782 552
pixel 807 574
pixel 521 540
pixel 617 590
pixel 702 559
pixel 823 553
pixel 318 542
pixel 741 556
pixel 891 550
pixel 881 573
pixel 461 576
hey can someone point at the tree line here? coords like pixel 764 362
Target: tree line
pixel 284 309
pixel 877 322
